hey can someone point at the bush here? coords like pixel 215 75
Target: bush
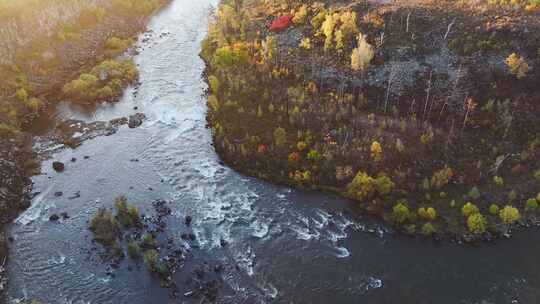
pixel 128 216
pixel 476 223
pixel 537 175
pixel 294 157
pixel 494 209
pixel 531 204
pixel 428 229
pixel 148 241
pixel 228 56
pixel 512 195
pixel 280 137
pixel 383 185
pixel 474 193
pixel 213 83
pixel 104 81
pixel 427 213
pixel 376 151
pixel 469 209
pixel 305 44
pixel 361 187
pixel 313 155
pixel 499 181
pixel 105 227
pixel 400 213
pixel 300 15
pixel 115 46
pixel 509 215
pixel 151 259
pixel 517 66
pixel 442 177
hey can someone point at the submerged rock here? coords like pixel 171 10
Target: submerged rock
pixel 54 218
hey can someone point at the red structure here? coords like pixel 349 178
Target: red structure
pixel 281 23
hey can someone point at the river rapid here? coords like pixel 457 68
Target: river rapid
pixel 283 245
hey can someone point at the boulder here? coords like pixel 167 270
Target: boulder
pixel 58 166
pixel 136 120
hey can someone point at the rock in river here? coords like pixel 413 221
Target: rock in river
pixel 58 166
pixel 136 120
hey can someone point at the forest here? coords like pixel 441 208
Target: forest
pixel 425 113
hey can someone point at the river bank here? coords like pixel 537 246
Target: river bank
pixel 424 112
pixel 49 64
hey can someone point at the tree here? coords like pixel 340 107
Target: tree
pixel 494 209
pixel 469 209
pixel 376 151
pixel 509 215
pixel 280 136
pixel 531 204
pixel 300 15
pixel 361 187
pixel 383 185
pixel 476 223
pixel 362 55
pixel 517 66
pixel 327 29
pixel 427 213
pixel 428 229
pixel 400 213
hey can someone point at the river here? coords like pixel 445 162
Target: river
pixel 284 245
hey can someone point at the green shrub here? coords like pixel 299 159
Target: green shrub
pixel 400 213
pixel 476 223
pixel 280 137
pixel 213 83
pixel 427 213
pixel 361 187
pixel 509 215
pixel 531 204
pixel 442 177
pixel 227 56
pixel 115 46
pixel 469 209
pixel 8 131
pixel 105 227
pixel 148 241
pixel 313 155
pixel 494 209
pixel 537 175
pixel 428 229
pixel 151 259
pixel 383 184
pixel 474 193
pixel 499 181
pixel 127 215
pixel 512 195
